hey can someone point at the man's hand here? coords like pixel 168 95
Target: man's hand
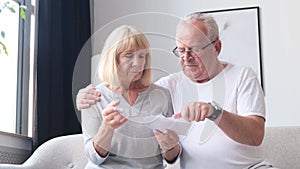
pixel 195 111
pixel 87 97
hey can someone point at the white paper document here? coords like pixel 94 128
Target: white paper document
pixel 180 126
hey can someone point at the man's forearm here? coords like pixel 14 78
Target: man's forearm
pixel 247 130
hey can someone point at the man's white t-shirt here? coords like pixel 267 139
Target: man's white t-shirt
pixel 237 90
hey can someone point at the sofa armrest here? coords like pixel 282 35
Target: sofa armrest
pixel 64 152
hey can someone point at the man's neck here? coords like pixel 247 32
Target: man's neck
pixel 218 69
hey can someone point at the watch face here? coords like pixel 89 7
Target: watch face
pixel 217 106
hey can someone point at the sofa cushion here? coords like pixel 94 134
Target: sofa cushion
pixel 281 147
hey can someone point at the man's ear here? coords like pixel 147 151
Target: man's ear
pixel 218 46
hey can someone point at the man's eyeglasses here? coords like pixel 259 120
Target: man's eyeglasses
pixel 194 51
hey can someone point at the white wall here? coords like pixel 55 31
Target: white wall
pixel 279 27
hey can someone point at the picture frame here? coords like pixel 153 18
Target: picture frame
pixel 239 30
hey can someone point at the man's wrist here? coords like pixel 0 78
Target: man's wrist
pixel 216 111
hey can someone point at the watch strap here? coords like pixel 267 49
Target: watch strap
pixel 217 110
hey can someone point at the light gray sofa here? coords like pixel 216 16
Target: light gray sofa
pixel 281 147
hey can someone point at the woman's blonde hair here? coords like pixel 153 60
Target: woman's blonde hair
pixel 122 39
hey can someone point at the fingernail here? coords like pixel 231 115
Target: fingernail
pixel 117 117
pixel 117 109
pixel 165 131
pixel 154 131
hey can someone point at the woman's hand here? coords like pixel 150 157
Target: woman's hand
pixel 169 143
pixel 112 117
pixel 167 139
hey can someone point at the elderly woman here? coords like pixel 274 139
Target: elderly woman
pixel 115 130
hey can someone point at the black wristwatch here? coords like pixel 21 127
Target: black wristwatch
pixel 217 110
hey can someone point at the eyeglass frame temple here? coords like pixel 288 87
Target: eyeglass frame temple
pixel 208 44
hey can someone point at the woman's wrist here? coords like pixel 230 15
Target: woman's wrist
pixel 102 140
pixel 172 154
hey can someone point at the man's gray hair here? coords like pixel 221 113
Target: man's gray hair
pixel 208 20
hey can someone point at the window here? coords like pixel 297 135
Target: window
pixel 17 66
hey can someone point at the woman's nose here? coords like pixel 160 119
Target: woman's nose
pixel 136 61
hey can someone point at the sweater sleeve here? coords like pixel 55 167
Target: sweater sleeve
pixel 91 120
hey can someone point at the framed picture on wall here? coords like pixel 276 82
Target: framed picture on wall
pixel 240 35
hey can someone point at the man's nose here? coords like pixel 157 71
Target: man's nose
pixel 187 55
